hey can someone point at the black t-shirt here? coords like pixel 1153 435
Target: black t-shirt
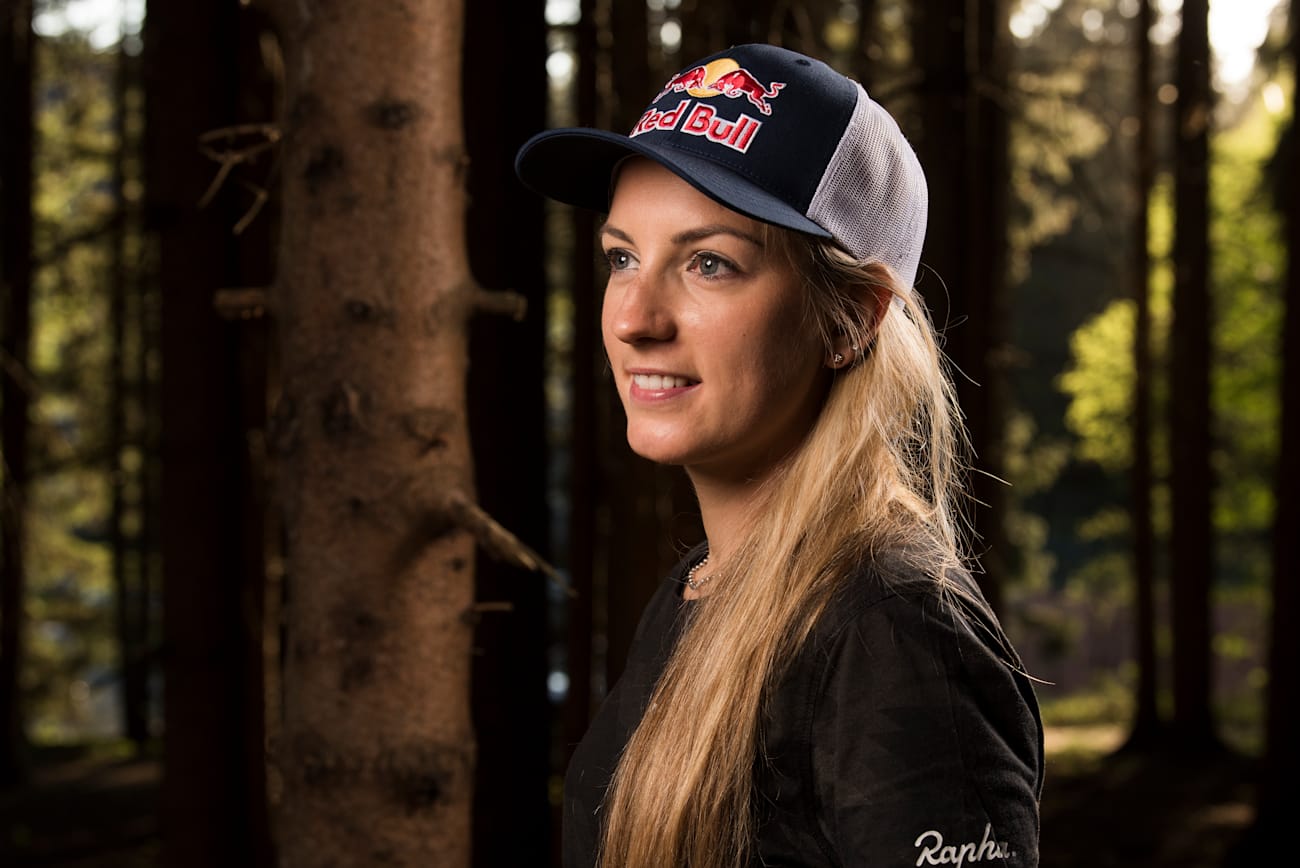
pixel 900 735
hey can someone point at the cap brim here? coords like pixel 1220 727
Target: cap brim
pixel 575 165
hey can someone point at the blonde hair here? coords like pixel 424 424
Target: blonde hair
pixel 880 469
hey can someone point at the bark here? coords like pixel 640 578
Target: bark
pixel 1192 552
pixel 630 69
pixel 213 806
pixel 962 143
pixel 1282 754
pixel 507 414
pixel 702 23
pixel 641 541
pixel 369 433
pixel 580 623
pixel 1146 723
pixel 16 76
pixel 869 50
pixel 131 636
pixel 147 547
pixel 258 550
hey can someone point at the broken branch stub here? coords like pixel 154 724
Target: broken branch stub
pixel 496 540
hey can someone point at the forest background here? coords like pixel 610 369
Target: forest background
pixel 321 542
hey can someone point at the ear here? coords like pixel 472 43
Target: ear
pixel 850 347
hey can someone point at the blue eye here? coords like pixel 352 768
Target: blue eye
pixel 618 259
pixel 711 265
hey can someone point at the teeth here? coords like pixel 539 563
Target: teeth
pixel 657 382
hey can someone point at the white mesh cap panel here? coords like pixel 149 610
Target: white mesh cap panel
pixel 873 196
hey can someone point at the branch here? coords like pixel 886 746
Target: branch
pixel 18 372
pixel 231 146
pixel 499 302
pixel 246 303
pixel 474 614
pixel 497 541
pixel 260 197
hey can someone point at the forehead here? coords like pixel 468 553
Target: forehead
pixel 644 190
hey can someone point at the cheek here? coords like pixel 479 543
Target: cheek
pixel 607 324
pixel 794 348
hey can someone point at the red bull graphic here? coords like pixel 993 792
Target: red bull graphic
pixel 723 77
pixel 701 119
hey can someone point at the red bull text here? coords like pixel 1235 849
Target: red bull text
pixel 701 119
pixel 723 77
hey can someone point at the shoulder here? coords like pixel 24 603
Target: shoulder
pixel 917 652
pixel 922 721
pixel 896 599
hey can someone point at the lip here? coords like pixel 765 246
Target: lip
pixel 651 394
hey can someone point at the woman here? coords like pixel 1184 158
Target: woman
pixel 820 683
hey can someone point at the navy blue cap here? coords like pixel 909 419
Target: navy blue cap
pixel 768 132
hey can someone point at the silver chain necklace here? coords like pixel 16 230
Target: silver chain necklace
pixel 693 583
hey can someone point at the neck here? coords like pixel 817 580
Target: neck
pixel 724 509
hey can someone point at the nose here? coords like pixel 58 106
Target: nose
pixel 638 310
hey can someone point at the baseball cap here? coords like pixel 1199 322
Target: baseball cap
pixel 768 132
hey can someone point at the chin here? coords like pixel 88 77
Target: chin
pixel 659 449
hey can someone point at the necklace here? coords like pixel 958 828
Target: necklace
pixel 693 583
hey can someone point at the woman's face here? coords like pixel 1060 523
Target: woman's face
pixel 717 365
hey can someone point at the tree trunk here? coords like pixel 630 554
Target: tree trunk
pixel 374 471
pixel 579 620
pixel 131 635
pixel 507 414
pixel 963 147
pixel 16 77
pixel 1192 552
pixel 1146 721
pixel 869 50
pixel 1281 766
pixel 642 498
pixel 213 809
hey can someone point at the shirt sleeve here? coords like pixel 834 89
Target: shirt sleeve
pixel 926 741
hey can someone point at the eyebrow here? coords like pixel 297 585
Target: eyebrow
pixel 689 235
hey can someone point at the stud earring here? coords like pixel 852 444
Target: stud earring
pixel 839 359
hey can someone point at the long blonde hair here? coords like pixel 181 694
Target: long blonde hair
pixel 880 469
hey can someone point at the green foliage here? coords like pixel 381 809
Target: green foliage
pixel 1247 259
pixel 1051 133
pixel 1108 700
pixel 1101 386
pixel 70 642
pixel 1034 462
pixel 1071 138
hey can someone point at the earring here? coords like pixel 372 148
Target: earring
pixel 839 359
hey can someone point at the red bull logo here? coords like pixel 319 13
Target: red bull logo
pixel 723 77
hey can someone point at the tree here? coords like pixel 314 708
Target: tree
pixel 373 470
pixel 641 541
pixel 214 804
pixel 1282 754
pixel 962 54
pixel 1191 548
pixel 131 615
pixel 1146 722
pixel 15 383
pixel 511 447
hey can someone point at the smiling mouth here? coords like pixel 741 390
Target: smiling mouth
pixel 659 382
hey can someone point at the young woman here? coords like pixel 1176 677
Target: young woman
pixel 821 683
